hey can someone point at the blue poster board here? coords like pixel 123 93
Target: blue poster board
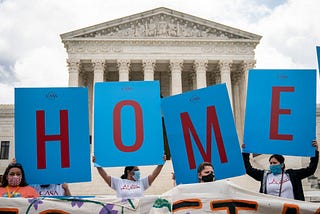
pixel 281 112
pixel 52 134
pixel 318 54
pixel 128 124
pixel 200 127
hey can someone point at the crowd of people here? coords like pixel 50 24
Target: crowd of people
pixel 277 181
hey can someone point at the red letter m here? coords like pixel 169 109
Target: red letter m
pixel 42 138
pixel 212 122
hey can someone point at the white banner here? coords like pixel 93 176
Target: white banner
pixel 216 197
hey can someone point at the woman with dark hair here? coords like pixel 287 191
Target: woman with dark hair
pixel 130 185
pixel 279 181
pixel 14 183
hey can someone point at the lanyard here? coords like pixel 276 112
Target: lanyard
pixel 10 194
pixel 280 189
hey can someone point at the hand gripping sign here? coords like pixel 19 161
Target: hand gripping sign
pixel 127 123
pixel 281 112
pixel 52 134
pixel 200 127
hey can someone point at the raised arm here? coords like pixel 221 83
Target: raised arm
pixel 103 173
pixel 156 172
pixel 257 174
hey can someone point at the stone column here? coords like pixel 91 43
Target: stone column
pixel 243 87
pixel 148 68
pixel 98 70
pixel 176 81
pixel 225 71
pixel 200 67
pixel 236 100
pixel 123 66
pixel 74 70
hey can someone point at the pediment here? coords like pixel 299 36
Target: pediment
pixel 160 23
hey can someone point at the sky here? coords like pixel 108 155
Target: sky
pixel 32 54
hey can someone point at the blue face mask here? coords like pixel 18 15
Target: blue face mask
pixel 136 175
pixel 276 169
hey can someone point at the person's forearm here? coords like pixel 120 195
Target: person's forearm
pixel 104 175
pixel 157 170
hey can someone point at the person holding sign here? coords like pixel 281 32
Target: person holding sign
pixel 279 181
pixel 130 185
pixel 14 183
pixel 53 189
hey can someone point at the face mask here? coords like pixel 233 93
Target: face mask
pixel 14 180
pixel 208 178
pixel 276 169
pixel 136 175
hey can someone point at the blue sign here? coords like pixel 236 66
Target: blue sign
pixel 281 112
pixel 128 124
pixel 318 54
pixel 52 134
pixel 200 127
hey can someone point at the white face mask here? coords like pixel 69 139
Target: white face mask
pixel 136 175
pixel 14 180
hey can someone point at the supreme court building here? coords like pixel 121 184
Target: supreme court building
pixel 181 51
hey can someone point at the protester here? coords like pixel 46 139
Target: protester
pixel 205 172
pixel 130 185
pixel 52 189
pixel 281 182
pixel 14 183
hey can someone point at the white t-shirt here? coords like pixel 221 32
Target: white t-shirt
pixel 273 185
pixel 128 189
pixel 51 190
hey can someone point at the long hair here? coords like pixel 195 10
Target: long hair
pixel 125 173
pixel 4 181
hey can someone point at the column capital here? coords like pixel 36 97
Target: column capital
pixel 176 64
pixel 123 63
pixel 148 64
pixel 73 65
pixel 200 65
pixel 225 65
pixel 74 71
pixel 248 64
pixel 98 64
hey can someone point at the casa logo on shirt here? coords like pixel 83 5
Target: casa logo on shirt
pixel 49 193
pixel 129 187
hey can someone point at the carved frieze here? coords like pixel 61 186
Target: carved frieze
pixel 161 26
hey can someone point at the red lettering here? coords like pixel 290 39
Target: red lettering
pixel 212 121
pixel 276 111
pixel 117 126
pixel 42 138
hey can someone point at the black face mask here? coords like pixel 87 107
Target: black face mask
pixel 208 178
